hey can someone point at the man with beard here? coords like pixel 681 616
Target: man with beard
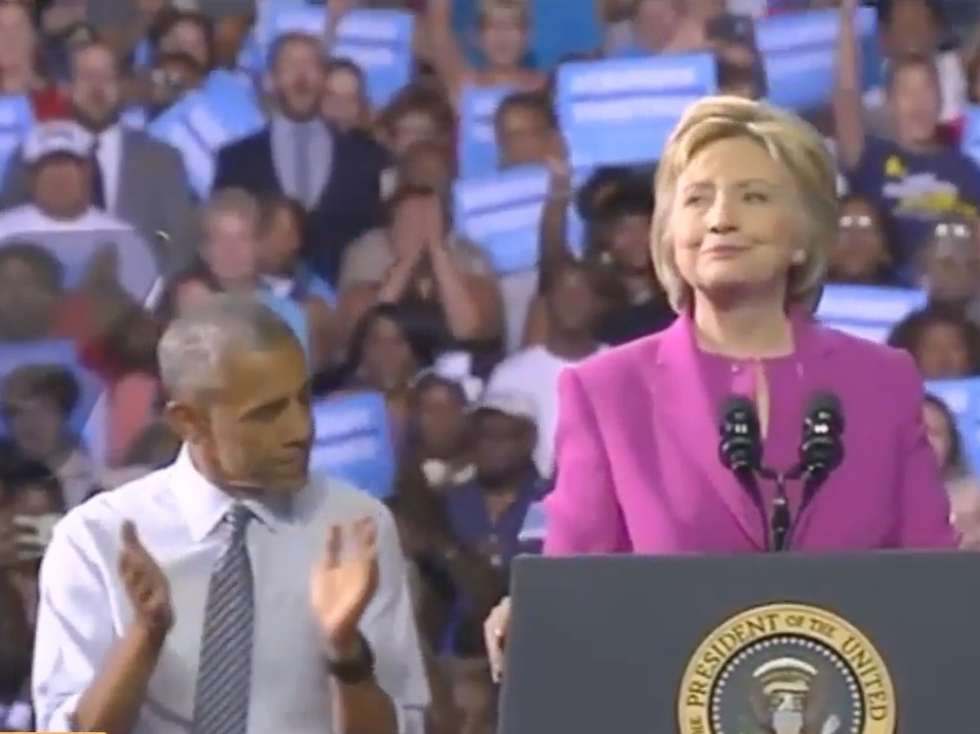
pixel 335 175
pixel 131 168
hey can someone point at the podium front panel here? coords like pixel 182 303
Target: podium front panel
pixel 871 643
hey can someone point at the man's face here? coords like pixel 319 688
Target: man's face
pixel 188 38
pixel 502 445
pixel 27 302
pixel 62 184
pixel 257 430
pixel 95 88
pixel 297 79
pixel 230 247
pixel 342 103
pixel 280 244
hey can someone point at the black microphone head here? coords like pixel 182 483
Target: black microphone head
pixel 822 449
pixel 741 441
pixel 827 405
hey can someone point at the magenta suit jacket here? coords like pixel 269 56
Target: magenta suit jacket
pixel 638 467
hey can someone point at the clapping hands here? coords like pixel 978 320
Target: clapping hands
pixel 145 583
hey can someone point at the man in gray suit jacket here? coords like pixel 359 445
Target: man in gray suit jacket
pixel 137 179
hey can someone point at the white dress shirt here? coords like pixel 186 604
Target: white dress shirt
pixel 109 156
pixel 84 610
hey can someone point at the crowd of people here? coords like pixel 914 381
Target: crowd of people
pixel 338 214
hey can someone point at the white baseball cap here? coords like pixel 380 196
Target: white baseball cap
pixel 57 136
pixel 512 403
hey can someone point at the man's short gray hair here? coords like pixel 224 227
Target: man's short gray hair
pixel 194 347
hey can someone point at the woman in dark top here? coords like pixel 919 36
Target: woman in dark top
pixel 616 205
pixel 388 348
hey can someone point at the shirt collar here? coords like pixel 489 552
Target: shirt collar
pixel 285 125
pixel 203 504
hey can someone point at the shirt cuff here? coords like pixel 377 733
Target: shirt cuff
pixel 411 719
pixel 61 718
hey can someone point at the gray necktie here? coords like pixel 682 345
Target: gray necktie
pixel 225 672
pixel 304 165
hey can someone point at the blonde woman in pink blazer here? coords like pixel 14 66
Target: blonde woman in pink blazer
pixel 746 213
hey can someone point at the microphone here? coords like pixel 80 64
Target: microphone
pixel 822 448
pixel 741 439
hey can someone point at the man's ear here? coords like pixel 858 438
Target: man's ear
pixel 186 422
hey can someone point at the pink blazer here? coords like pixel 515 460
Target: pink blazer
pixel 637 452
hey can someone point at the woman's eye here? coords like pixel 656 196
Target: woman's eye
pixel 756 197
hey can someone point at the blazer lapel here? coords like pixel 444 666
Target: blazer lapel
pixel 130 197
pixel 690 412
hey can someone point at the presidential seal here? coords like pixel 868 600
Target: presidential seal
pixel 786 669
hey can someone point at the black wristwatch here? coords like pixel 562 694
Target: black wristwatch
pixel 358 669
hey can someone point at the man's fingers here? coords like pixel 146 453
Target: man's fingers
pixel 366 536
pixel 130 538
pixel 335 544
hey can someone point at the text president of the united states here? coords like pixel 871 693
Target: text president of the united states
pixel 231 592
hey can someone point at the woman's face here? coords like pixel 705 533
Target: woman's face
pixel 629 243
pixel 17 37
pixel 387 362
pixel 414 127
pixel 915 104
pixel 735 220
pixel 939 433
pixel 503 37
pixel 37 427
pixel 428 168
pixel 942 353
pixel 860 251
pixel 441 418
pixel 952 264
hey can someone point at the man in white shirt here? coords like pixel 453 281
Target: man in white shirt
pixel 61 217
pixel 134 178
pixel 572 304
pixel 231 592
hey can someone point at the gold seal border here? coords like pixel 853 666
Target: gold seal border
pixel 874 680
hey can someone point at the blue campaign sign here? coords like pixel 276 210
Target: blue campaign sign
pixel 962 397
pixel 502 214
pixel 477 144
pixel 378 41
pixel 799 52
pixel 201 122
pixel 121 246
pixel 53 352
pixel 353 442
pixel 621 111
pixel 870 312
pixel 16 118
pixel 970 142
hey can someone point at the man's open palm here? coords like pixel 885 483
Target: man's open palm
pixel 344 582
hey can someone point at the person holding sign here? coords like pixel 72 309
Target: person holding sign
pixel 230 592
pixel 746 216
pixel 914 175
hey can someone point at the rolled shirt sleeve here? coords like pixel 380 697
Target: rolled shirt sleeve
pixel 389 626
pixel 74 629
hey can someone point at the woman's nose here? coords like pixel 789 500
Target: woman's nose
pixel 722 216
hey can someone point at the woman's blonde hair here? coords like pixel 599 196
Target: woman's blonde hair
pixel 789 140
